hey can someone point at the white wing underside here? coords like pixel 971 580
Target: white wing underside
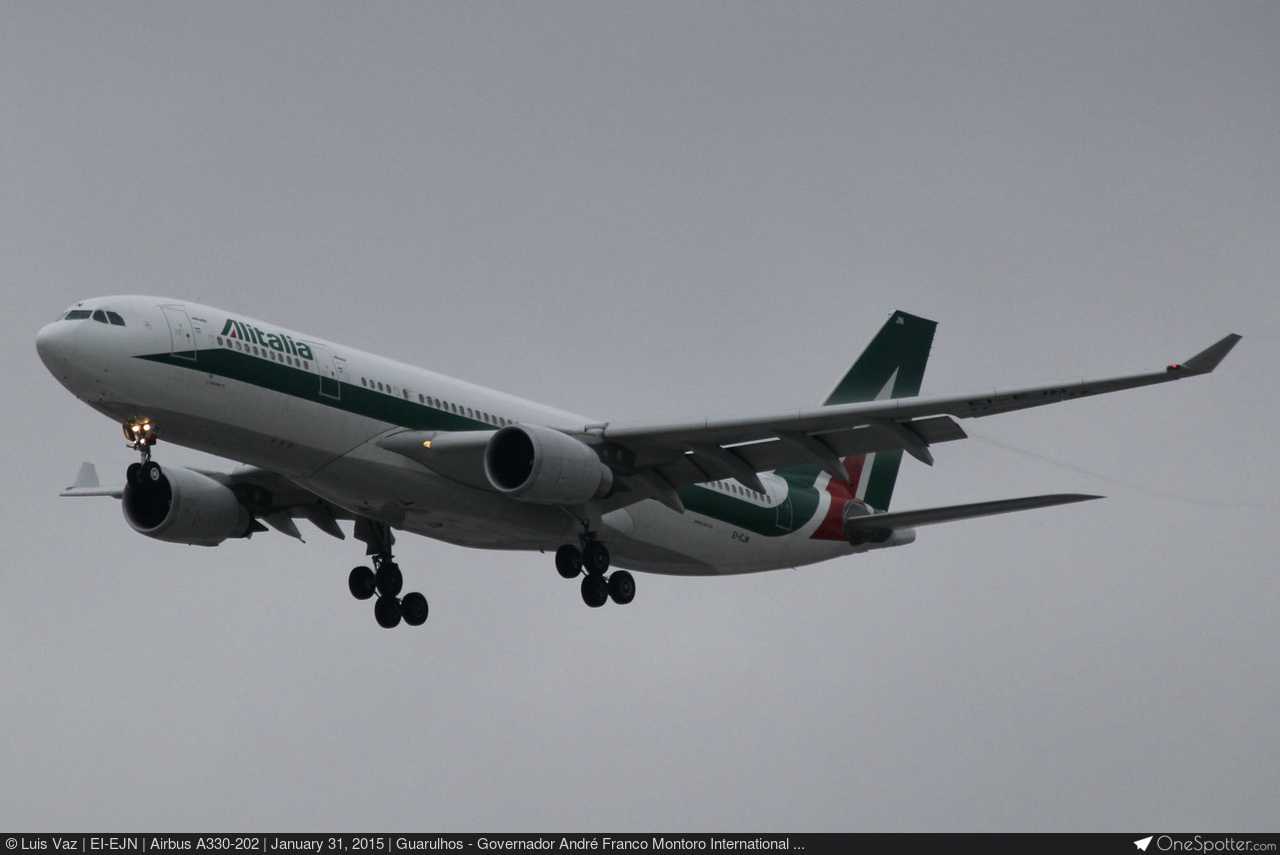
pixel 653 460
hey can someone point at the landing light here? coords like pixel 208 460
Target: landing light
pixel 140 434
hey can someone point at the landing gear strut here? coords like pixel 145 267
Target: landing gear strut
pixel 593 558
pixel 142 436
pixel 384 579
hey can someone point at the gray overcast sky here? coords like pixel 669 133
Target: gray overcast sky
pixel 665 210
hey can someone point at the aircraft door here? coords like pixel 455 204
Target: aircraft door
pixel 330 387
pixel 784 517
pixel 181 337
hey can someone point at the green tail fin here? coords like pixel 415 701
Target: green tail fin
pixel 891 366
pixel 902 348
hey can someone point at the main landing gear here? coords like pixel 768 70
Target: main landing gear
pixel 597 588
pixel 385 580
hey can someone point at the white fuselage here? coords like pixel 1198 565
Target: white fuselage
pixel 313 411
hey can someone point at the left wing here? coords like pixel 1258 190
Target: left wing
pixel 268 496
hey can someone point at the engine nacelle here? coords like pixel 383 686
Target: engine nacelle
pixel 183 506
pixel 872 538
pixel 542 465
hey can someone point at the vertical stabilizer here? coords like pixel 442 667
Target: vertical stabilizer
pixel 898 352
pixel 891 366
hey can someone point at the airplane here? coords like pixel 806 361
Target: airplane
pixel 327 433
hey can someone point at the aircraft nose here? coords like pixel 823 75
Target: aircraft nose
pixel 56 344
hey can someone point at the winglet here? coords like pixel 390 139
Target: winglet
pixel 87 484
pixel 87 477
pixel 1207 360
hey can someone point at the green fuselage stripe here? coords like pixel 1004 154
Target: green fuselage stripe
pixel 801 502
pixel 795 511
pixel 304 384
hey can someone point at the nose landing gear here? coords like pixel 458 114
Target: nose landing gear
pixel 141 435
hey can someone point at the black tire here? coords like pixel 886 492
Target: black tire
pixel 362 583
pixel 387 612
pixel 389 579
pixel 595 591
pixel 150 473
pixel 622 587
pixel 596 558
pixel 133 475
pixel 414 609
pixel 568 561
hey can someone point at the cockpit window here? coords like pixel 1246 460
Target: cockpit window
pixel 78 314
pixel 101 317
pixel 115 319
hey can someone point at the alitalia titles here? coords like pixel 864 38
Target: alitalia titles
pixel 276 341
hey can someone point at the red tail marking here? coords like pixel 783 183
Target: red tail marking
pixel 832 527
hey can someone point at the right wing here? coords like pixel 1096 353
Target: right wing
pixel 656 459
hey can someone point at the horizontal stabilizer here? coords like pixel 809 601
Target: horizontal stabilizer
pixel 947 513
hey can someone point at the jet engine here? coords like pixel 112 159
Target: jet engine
pixel 542 465
pixel 181 506
pixel 859 530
